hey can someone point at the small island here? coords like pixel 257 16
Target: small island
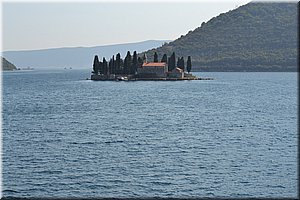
pixel 134 68
pixel 7 66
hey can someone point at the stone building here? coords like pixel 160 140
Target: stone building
pixel 176 73
pixel 153 70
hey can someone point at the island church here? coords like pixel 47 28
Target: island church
pixel 157 70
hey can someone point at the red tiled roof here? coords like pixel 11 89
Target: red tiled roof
pixel 154 64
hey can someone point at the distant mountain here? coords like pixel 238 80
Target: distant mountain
pixel 7 66
pixel 253 37
pixel 75 57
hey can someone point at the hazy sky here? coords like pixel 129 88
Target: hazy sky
pixel 34 25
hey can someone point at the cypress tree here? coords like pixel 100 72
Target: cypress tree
pixel 182 64
pixel 118 64
pixel 169 64
pixel 121 66
pixel 127 63
pixel 172 62
pixel 105 67
pixel 164 58
pixel 178 62
pixel 140 62
pixel 101 68
pixel 189 64
pixel 113 71
pixel 134 63
pixel 96 65
pixel 110 66
pixel 155 57
pixel 125 66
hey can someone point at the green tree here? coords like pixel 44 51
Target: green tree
pixel 178 63
pixel 127 63
pixel 182 64
pixel 155 57
pixel 140 62
pixel 134 63
pixel 189 64
pixel 122 66
pixel 113 71
pixel 105 67
pixel 110 63
pixel 118 64
pixel 164 58
pixel 96 65
pixel 101 69
pixel 172 62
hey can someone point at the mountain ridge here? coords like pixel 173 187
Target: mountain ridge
pixel 78 47
pixel 75 57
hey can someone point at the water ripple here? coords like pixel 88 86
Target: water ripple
pixel 232 137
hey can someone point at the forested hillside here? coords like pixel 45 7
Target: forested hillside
pixel 253 37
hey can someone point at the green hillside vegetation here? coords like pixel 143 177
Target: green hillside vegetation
pixel 7 66
pixel 254 37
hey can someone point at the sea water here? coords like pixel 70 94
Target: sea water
pixel 65 136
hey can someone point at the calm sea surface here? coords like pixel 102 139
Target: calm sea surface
pixel 64 136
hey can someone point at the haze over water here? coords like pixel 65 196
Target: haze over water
pixel 64 136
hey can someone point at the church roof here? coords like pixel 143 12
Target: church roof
pixel 154 64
